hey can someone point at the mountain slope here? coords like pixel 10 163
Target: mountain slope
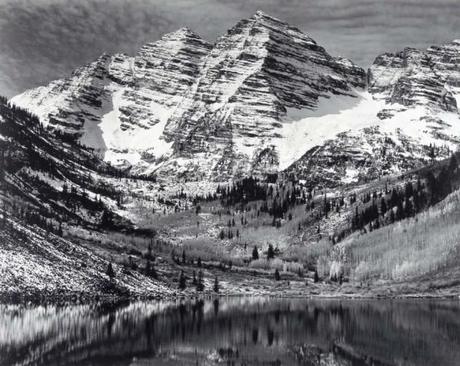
pixel 234 114
pixel 424 248
pixel 219 111
pixel 410 118
pixel 118 104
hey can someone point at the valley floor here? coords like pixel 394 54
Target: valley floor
pixel 415 257
pixel 36 266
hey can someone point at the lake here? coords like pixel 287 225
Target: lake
pixel 234 331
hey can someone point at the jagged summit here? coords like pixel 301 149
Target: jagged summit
pixel 235 112
pixel 262 97
pixel 270 21
pixel 261 14
pixel 262 17
pixel 418 77
pixel 181 33
pixel 414 99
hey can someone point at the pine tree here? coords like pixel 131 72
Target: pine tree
pixel 383 207
pixel 60 232
pixel 277 275
pixel 182 281
pixel 270 252
pixel 316 277
pixel 255 253
pixel 150 269
pixel 110 272
pixel 149 251
pixel 107 219
pixel 200 282
pixel 216 285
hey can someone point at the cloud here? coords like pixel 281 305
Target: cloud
pixel 41 40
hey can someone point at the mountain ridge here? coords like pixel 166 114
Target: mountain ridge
pixel 257 102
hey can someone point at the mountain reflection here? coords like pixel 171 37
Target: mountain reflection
pixel 235 331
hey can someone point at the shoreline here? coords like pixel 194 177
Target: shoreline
pixel 74 298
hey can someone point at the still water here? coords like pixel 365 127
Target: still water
pixel 237 331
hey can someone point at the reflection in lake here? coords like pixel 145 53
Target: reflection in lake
pixel 236 331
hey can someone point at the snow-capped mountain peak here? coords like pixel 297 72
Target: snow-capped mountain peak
pixel 262 97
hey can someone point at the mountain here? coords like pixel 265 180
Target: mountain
pixel 409 118
pixel 133 163
pixel 232 121
pixel 222 111
pixel 118 104
pixel 264 98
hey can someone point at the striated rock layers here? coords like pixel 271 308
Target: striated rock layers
pixel 416 96
pixel 264 98
pixel 181 106
pixel 118 104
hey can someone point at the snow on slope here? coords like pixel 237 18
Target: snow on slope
pixel 306 129
pixel 119 105
pixel 337 114
pixel 132 146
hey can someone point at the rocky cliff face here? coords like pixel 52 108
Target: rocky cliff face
pixel 181 106
pixel 414 98
pixel 264 98
pixel 118 104
pixel 415 77
pixel 235 111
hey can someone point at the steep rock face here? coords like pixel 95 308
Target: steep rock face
pixel 185 108
pixel 67 103
pixel 118 104
pixel 236 108
pixel 415 77
pixel 161 72
pixel 415 119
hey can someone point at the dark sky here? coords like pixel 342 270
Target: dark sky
pixel 41 40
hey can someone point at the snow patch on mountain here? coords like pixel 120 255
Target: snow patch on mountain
pixel 305 129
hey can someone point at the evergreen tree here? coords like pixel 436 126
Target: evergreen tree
pixel 383 207
pixel 277 275
pixel 182 281
pixel 200 282
pixel 110 272
pixel 107 219
pixel 194 281
pixel 150 269
pixel 149 251
pixel 216 285
pixel 255 253
pixel 270 252
pixel 316 277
